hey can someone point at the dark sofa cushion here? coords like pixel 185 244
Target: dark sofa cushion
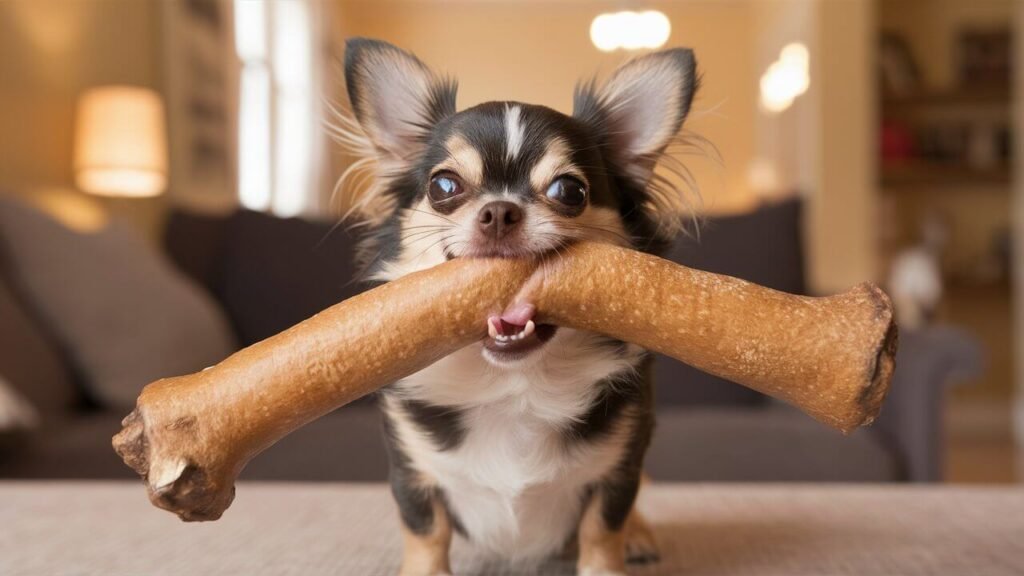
pixel 124 315
pixel 30 361
pixel 767 444
pixel 763 246
pixel 195 243
pixel 278 272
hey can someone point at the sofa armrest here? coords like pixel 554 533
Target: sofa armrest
pixel 911 422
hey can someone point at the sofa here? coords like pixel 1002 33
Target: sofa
pixel 266 273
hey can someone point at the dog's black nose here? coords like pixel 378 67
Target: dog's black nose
pixel 498 219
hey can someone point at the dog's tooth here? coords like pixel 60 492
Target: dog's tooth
pixel 492 330
pixel 530 326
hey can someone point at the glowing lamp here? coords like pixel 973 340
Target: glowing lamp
pixel 786 79
pixel 121 142
pixel 630 30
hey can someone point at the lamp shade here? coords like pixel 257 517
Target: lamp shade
pixel 121 142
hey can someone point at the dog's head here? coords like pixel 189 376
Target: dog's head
pixel 512 179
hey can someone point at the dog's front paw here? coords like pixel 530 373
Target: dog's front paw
pixel 641 547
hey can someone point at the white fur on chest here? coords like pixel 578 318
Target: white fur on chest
pixel 513 482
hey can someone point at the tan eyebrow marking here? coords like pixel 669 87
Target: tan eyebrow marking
pixel 555 162
pixel 463 159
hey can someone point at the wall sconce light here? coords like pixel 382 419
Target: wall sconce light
pixel 121 142
pixel 786 78
pixel 630 30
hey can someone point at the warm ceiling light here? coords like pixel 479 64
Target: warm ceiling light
pixel 786 78
pixel 630 30
pixel 121 142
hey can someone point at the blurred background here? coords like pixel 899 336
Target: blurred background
pixel 168 194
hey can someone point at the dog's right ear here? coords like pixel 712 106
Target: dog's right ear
pixel 394 96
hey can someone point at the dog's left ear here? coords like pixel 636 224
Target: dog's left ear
pixel 641 107
pixel 395 97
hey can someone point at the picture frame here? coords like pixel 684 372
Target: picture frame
pixel 201 91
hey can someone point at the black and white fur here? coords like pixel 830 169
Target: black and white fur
pixel 513 447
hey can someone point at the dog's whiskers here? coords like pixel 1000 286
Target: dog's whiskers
pixel 434 214
pixel 428 248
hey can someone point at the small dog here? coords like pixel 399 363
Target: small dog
pixel 533 439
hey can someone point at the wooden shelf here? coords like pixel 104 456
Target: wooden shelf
pixel 987 97
pixel 934 174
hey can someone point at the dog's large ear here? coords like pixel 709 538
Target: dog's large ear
pixel 394 96
pixel 641 107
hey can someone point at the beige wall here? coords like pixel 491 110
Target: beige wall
pixel 536 51
pixel 843 223
pixel 823 146
pixel 50 50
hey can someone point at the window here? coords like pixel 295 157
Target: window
pixel 278 109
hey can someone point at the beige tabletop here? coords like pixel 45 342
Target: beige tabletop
pixel 54 528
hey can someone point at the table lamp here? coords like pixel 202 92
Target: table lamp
pixel 121 142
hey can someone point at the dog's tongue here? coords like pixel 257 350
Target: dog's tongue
pixel 514 318
pixel 519 314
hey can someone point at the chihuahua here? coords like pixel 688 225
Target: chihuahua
pixel 531 441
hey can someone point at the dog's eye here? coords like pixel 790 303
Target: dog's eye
pixel 568 191
pixel 444 185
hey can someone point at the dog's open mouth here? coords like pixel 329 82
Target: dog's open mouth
pixel 513 334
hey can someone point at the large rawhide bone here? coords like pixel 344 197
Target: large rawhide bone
pixel 831 357
pixel 190 436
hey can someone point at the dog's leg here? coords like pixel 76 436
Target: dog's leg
pixel 425 551
pixel 426 523
pixel 609 521
pixel 602 541
pixel 641 547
